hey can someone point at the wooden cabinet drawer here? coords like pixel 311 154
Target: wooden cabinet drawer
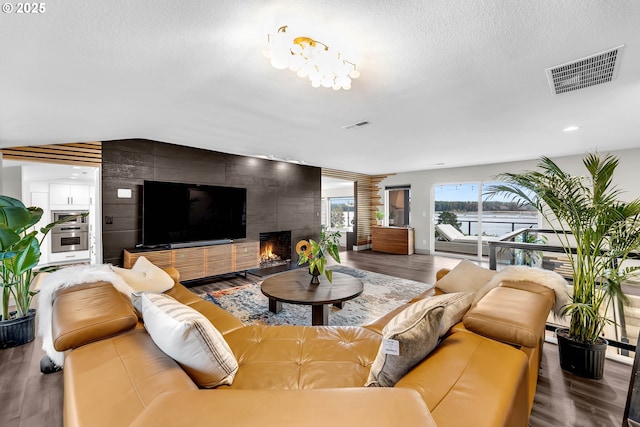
pixel 190 262
pixel 162 259
pixel 219 260
pixel 246 255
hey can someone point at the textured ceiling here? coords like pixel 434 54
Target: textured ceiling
pixel 443 83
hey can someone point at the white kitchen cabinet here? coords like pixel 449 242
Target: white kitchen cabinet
pixel 63 196
pixel 70 257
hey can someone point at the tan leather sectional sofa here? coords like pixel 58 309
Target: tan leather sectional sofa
pixel 483 373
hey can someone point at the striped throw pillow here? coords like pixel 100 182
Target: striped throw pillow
pixel 190 339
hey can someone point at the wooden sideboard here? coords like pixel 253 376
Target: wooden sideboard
pixel 392 240
pixel 201 261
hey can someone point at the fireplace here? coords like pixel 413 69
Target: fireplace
pixel 275 248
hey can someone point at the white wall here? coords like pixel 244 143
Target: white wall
pixel 338 192
pixel 11 182
pixel 422 185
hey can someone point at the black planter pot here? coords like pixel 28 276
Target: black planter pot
pixel 15 332
pixel 584 360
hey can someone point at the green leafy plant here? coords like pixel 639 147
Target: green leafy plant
pixel 587 216
pixel 379 216
pixel 20 252
pixel 530 257
pixel 315 253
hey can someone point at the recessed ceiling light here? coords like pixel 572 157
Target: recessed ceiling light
pixel 571 128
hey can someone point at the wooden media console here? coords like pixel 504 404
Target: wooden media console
pixel 201 261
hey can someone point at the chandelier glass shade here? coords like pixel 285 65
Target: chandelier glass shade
pixel 312 59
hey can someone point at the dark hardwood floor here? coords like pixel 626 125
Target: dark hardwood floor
pixel 27 397
pixel 31 399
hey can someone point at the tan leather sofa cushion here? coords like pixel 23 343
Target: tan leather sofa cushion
pixel 302 357
pixel 524 285
pixel 90 312
pixel 469 380
pixel 224 321
pixel 500 315
pixel 533 354
pixel 180 293
pixel 288 408
pixel 110 382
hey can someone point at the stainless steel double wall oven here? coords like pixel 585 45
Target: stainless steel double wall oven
pixel 69 236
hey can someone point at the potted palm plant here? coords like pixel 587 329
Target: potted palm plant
pixel 598 232
pixel 19 254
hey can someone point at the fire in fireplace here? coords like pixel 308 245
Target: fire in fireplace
pixel 275 248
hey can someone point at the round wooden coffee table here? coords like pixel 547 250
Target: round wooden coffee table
pixel 294 287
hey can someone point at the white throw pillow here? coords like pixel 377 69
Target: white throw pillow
pixel 190 339
pixel 144 276
pixel 455 306
pixel 415 337
pixel 465 277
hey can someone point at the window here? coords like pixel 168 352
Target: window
pixel 342 213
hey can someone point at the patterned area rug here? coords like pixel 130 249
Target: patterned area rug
pixel 381 294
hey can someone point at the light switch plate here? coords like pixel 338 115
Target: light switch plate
pixel 124 193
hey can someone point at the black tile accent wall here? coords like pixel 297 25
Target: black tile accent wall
pixel 280 196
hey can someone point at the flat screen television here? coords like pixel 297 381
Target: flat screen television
pixel 178 213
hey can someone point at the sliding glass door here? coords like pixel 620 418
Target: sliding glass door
pixel 457 218
pixel 466 219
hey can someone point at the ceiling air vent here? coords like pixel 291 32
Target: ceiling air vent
pixel 590 71
pixel 355 125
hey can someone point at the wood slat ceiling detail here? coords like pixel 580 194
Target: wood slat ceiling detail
pixel 367 197
pixel 77 153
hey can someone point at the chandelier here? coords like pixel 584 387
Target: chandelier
pixel 310 58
